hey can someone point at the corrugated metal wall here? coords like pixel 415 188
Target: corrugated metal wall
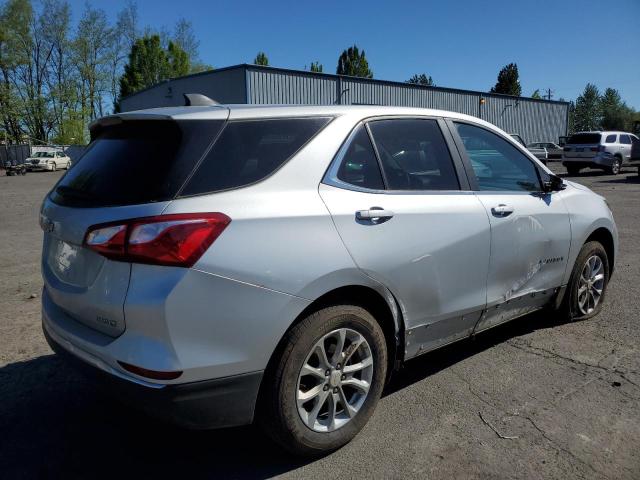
pixel 535 121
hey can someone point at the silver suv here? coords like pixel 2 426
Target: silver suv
pixel 216 265
pixel 605 150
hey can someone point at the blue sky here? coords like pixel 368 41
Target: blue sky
pixel 561 44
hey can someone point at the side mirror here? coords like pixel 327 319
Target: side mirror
pixel 552 183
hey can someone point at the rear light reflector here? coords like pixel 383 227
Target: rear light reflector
pixel 174 240
pixel 153 374
pixel 594 149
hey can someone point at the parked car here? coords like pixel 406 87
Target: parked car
pixel 224 264
pixel 48 160
pixel 13 167
pixel 539 153
pixel 608 151
pixel 553 151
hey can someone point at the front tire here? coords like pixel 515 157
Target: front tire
pixel 588 282
pixel 327 380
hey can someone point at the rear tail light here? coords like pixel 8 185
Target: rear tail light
pixel 175 240
pixel 594 149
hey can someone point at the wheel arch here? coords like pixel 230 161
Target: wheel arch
pixel 382 305
pixel 605 238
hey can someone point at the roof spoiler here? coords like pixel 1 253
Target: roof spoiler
pixel 198 100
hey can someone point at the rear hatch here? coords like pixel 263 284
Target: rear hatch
pixel 582 145
pixel 134 166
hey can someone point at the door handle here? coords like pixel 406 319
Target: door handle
pixel 375 214
pixel 502 210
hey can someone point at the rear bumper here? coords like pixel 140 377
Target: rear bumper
pixel 222 402
pixel 600 160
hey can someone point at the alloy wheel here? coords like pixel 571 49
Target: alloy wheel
pixel 591 285
pixel 334 380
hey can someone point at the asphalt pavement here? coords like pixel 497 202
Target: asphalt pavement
pixel 536 398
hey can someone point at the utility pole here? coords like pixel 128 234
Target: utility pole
pixel 549 94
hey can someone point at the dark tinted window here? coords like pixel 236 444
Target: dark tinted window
pixel 625 139
pixel 610 139
pixel 498 165
pixel 414 155
pixel 248 151
pixel 359 165
pixel 135 162
pixel 584 138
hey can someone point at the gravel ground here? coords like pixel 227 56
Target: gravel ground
pixel 537 398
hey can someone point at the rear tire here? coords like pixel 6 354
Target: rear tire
pixel 323 423
pixel 573 170
pixel 614 169
pixel 581 299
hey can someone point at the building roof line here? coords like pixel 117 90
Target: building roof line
pixel 247 66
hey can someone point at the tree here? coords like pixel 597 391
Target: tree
pixel 14 29
pixel 261 59
pixel 93 50
pixel 316 67
pixel 185 38
pixel 178 61
pixel 150 64
pixel 353 63
pixel 616 115
pixel 536 94
pixel 588 111
pixel 125 34
pixel 508 81
pixel 422 79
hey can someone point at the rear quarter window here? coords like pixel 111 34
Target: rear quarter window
pixel 248 151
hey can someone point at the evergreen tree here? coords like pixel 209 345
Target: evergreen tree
pixel 354 63
pixel 150 64
pixel 261 59
pixel 536 94
pixel 316 67
pixel 508 81
pixel 588 111
pixel 422 79
pixel 615 113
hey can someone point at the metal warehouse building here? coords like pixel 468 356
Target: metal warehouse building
pixel 534 120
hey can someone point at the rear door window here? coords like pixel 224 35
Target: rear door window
pixel 624 139
pixel 136 161
pixel 249 151
pixel 414 155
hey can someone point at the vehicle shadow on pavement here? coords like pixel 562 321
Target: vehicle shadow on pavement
pixel 431 363
pixel 626 180
pixel 55 424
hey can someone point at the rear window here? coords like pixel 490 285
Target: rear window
pixel 136 162
pixel 249 151
pixel 584 138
